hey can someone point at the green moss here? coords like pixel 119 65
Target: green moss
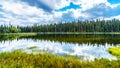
pixel 19 59
pixel 114 51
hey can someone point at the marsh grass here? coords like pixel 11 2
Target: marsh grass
pixel 32 47
pixel 20 59
pixel 115 51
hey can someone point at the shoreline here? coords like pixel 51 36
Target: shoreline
pixel 35 33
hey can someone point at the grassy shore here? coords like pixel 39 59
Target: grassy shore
pixel 18 34
pixel 19 59
pixel 34 33
pixel 78 32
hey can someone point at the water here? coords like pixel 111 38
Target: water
pixel 84 46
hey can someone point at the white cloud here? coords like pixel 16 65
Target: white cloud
pixel 113 17
pixel 87 4
pixel 95 9
pixel 79 14
pixel 20 8
pixel 56 4
pixel 19 12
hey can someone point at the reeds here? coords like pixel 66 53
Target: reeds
pixel 20 59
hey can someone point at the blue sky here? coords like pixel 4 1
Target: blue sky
pixel 114 1
pixel 70 6
pixel 29 12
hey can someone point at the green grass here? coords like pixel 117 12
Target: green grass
pixel 114 51
pixel 19 59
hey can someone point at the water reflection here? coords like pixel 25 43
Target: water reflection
pixel 89 46
pixel 83 38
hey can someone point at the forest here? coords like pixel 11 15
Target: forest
pixel 74 26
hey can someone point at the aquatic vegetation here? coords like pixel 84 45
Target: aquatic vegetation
pixel 114 51
pixel 32 47
pixel 37 51
pixel 20 59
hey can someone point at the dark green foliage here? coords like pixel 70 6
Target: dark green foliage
pixel 10 29
pixel 79 26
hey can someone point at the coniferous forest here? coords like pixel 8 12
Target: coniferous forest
pixel 75 26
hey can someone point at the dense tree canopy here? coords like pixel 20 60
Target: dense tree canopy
pixel 79 26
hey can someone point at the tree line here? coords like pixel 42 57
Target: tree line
pixel 75 26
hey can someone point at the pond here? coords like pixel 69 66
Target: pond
pixel 84 46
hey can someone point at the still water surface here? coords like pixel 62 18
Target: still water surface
pixel 83 46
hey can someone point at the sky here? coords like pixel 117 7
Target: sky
pixel 29 12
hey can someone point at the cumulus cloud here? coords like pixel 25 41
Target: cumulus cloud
pixel 56 4
pixel 103 10
pixel 20 12
pixel 93 9
pixel 27 12
pixel 113 17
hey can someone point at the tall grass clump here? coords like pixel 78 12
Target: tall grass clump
pixel 19 59
pixel 114 51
